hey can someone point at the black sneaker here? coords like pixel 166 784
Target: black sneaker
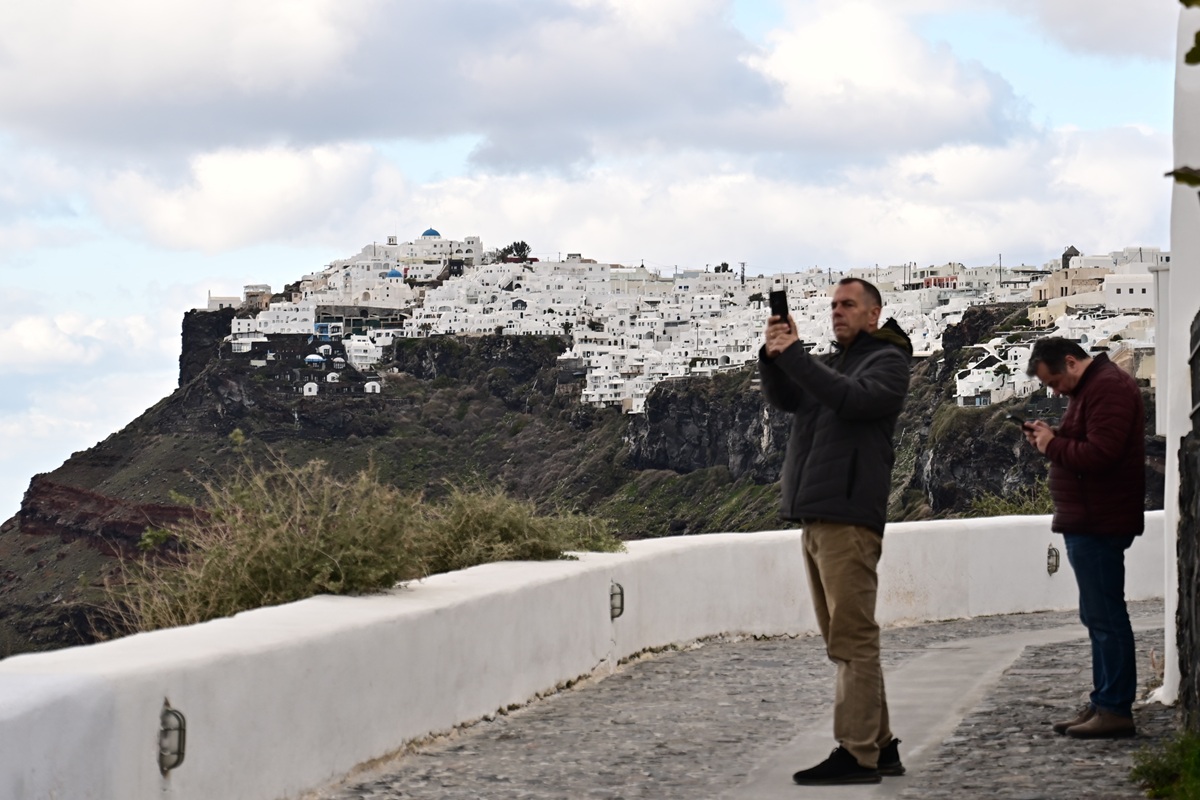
pixel 889 760
pixel 840 767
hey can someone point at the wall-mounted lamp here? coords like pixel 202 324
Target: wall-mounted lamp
pixel 616 600
pixel 172 738
pixel 1052 560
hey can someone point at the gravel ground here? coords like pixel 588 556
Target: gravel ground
pixel 691 723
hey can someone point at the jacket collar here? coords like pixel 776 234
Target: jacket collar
pixel 888 333
pixel 859 342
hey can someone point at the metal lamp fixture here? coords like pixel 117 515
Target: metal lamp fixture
pixel 1052 560
pixel 172 738
pixel 616 600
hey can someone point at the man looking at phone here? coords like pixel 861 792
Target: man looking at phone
pixel 836 479
pixel 1097 481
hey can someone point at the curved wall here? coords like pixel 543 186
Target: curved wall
pixel 285 699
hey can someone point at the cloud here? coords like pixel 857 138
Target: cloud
pixel 1111 29
pixel 857 79
pixel 70 54
pixel 585 90
pixel 235 198
pixel 83 344
pixel 542 82
pixel 1026 198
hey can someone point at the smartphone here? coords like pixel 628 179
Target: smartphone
pixel 779 307
pixel 1017 418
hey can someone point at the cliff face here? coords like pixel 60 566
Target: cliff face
pixel 705 456
pixel 693 425
pixel 202 334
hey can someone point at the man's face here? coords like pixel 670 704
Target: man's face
pixel 853 311
pixel 1061 382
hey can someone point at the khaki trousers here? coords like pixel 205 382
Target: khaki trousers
pixel 841 562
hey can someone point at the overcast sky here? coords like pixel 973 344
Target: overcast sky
pixel 152 151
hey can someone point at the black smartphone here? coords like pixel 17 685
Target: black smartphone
pixel 779 308
pixel 1017 418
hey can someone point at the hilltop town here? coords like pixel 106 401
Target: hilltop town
pixel 631 328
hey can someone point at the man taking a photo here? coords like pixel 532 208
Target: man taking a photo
pixel 836 480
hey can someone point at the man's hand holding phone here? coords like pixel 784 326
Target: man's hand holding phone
pixel 781 328
pixel 1038 434
pixel 780 335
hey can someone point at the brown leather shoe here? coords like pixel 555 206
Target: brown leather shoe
pixel 1087 713
pixel 1103 725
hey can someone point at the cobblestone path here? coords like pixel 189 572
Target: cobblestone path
pixel 692 723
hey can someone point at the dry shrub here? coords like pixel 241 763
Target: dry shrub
pixel 275 534
pixel 485 525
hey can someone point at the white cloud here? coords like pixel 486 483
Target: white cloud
pixel 1112 29
pixel 969 203
pixel 67 51
pixel 856 77
pixel 547 83
pixel 80 343
pixel 239 197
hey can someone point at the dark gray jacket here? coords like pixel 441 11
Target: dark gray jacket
pixel 839 459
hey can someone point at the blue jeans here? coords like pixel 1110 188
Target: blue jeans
pixel 1099 565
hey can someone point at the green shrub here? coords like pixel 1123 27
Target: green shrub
pixel 485 525
pixel 1173 771
pixel 277 533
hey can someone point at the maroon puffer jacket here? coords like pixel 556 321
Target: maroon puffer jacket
pixel 1098 454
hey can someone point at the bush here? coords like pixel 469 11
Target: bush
pixel 1172 771
pixel 485 525
pixel 277 533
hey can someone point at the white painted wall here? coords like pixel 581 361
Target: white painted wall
pixel 285 699
pixel 1174 381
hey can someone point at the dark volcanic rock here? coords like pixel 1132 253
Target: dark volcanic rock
pixel 112 524
pixel 1188 615
pixel 202 334
pixel 699 423
pixel 977 325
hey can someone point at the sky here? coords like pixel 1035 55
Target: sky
pixel 152 152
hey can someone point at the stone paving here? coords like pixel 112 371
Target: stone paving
pixel 691 723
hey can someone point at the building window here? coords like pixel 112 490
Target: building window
pixel 1118 291
pixel 1143 291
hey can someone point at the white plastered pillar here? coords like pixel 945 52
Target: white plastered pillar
pixel 1184 304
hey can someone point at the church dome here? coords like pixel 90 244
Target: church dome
pixel 395 273
pixel 431 232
